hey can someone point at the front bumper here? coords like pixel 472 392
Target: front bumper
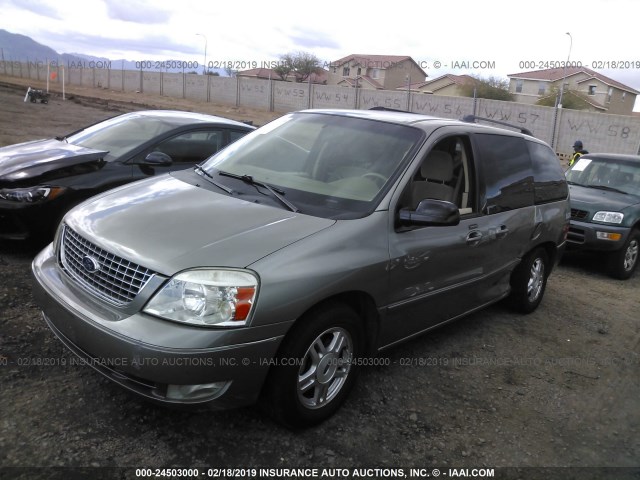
pixel 160 360
pixel 19 221
pixel 583 236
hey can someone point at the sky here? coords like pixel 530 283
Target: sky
pixel 485 38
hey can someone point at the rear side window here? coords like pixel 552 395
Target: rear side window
pixel 506 169
pixel 549 183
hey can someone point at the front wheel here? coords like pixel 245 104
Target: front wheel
pixel 529 280
pixel 314 370
pixel 622 263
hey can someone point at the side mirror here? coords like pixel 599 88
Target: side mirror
pixel 431 212
pixel 158 159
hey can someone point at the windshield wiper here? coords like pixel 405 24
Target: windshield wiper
pixel 606 187
pixel 60 139
pixel 276 192
pixel 208 175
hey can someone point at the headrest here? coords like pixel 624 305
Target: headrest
pixel 437 166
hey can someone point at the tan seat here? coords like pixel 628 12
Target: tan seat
pixel 437 171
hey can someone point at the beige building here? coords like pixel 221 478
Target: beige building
pixel 377 72
pixel 601 93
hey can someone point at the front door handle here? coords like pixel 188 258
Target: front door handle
pixel 502 231
pixel 474 237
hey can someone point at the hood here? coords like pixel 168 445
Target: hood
pixel 42 159
pixel 594 199
pixel 168 225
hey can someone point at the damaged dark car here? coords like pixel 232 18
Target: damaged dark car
pixel 43 179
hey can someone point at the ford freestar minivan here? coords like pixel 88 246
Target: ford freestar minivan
pixel 279 265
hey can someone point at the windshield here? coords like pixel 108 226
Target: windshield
pixel 327 165
pixel 606 173
pixel 121 134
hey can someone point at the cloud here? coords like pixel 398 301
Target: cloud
pixel 149 44
pixel 38 7
pixel 137 11
pixel 312 39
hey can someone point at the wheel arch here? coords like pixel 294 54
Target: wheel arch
pixel 552 252
pixel 362 304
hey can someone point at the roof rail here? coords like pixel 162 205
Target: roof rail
pixel 474 119
pixel 387 109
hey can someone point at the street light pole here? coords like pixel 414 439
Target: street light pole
pixel 204 67
pixel 564 75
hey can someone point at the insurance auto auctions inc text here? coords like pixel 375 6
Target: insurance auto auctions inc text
pixel 374 472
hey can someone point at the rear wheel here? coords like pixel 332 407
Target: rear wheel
pixel 623 262
pixel 314 370
pixel 529 280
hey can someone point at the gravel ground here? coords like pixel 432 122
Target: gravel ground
pixel 558 388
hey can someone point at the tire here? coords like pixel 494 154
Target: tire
pixel 623 262
pixel 529 281
pixel 314 372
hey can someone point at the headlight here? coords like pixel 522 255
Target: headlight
pixel 206 297
pixel 30 194
pixel 608 217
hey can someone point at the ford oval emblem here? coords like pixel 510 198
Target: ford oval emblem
pixel 90 264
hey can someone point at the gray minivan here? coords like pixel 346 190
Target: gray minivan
pixel 282 264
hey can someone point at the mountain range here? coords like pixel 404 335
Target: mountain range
pixel 15 47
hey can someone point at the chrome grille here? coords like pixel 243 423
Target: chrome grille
pixel 116 280
pixel 578 214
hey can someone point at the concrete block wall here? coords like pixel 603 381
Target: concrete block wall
pixel 383 98
pixel 151 83
pixel 173 85
pixel 223 90
pixel 196 87
pixel 254 93
pixel 599 132
pixel 115 79
pixel 101 78
pixel 331 96
pixel 73 76
pixel 289 97
pixel 537 119
pixel 444 107
pixel 132 81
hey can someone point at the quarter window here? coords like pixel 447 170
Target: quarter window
pixel 549 184
pixel 506 167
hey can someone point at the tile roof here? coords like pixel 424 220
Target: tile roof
pixel 373 61
pixel 413 86
pixel 554 74
pixel 453 79
pixel 258 73
pixel 582 97
pixel 376 61
pixel 366 78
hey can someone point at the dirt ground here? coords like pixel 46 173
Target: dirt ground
pixel 558 388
